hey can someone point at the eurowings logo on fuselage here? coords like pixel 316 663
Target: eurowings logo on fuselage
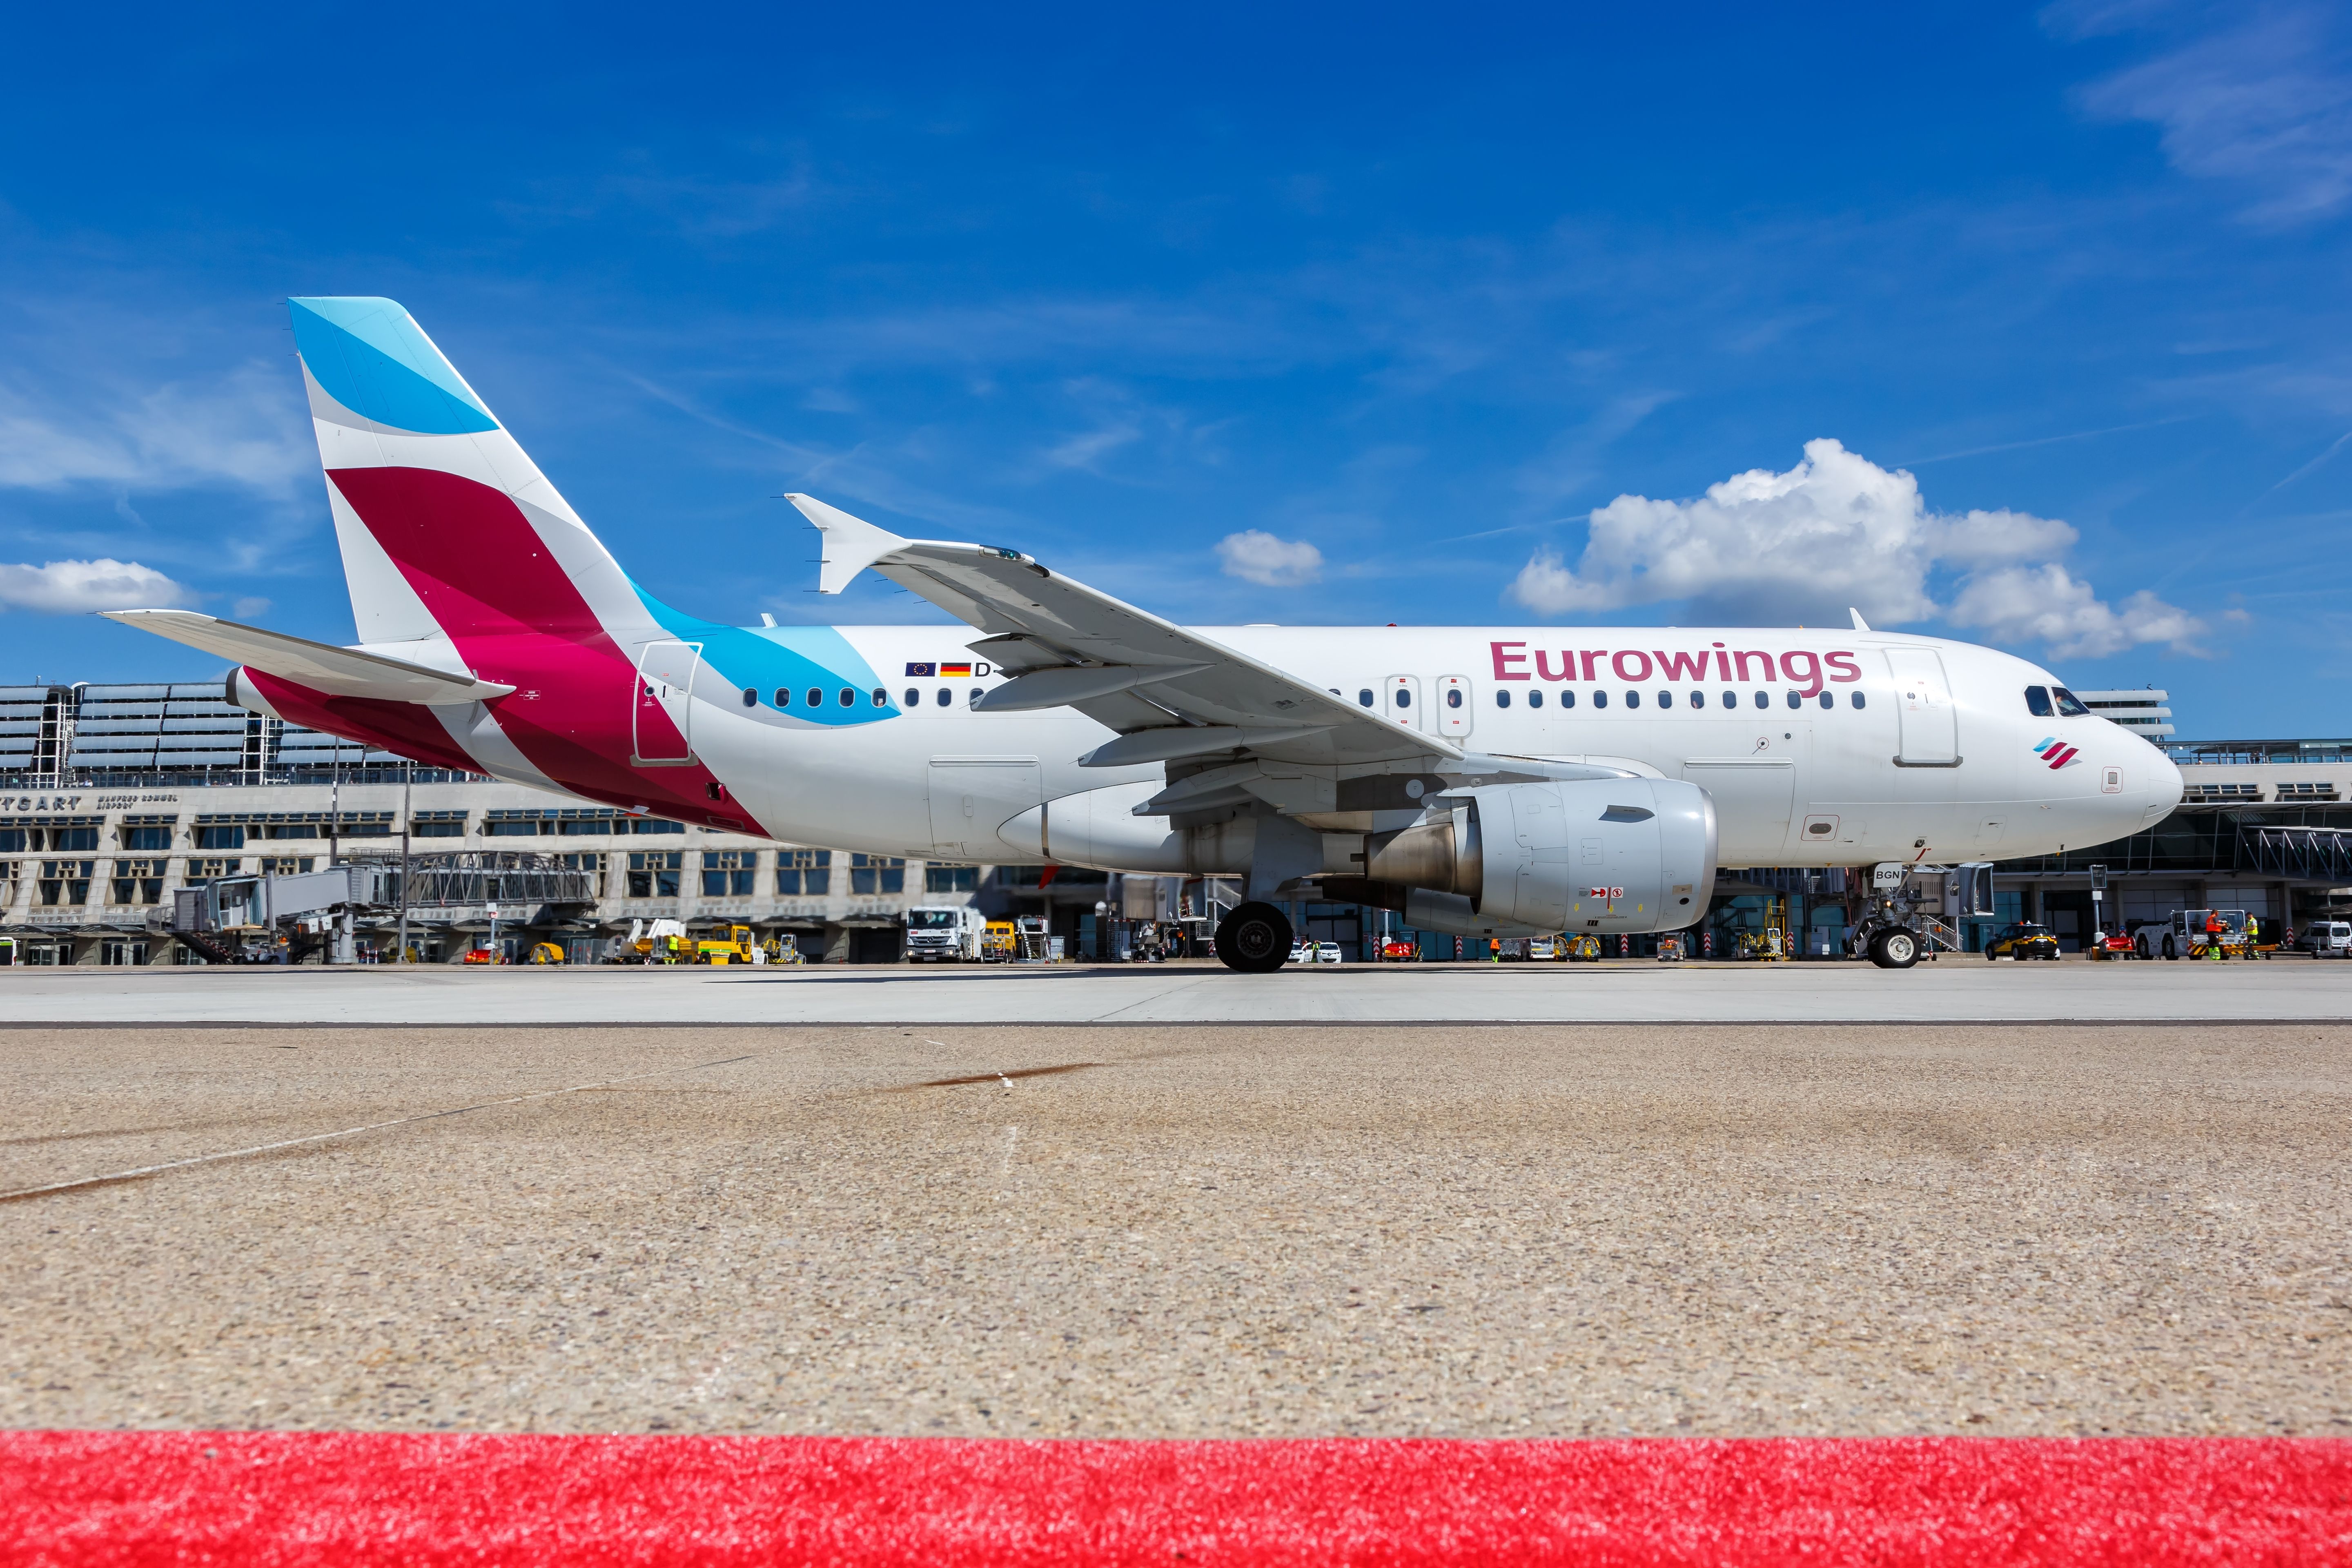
pixel 2056 753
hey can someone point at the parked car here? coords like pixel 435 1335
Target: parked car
pixel 2022 940
pixel 1302 952
pixel 2328 939
pixel 1328 952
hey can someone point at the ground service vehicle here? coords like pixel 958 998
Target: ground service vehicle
pixel 2328 939
pixel 2022 940
pixel 2185 933
pixel 1396 952
pixel 998 943
pixel 546 952
pixel 1417 769
pixel 481 955
pixel 733 944
pixel 1329 953
pixel 945 933
pixel 1543 949
pixel 1583 948
pixel 655 941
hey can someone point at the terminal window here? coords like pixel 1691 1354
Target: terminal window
pixel 654 873
pixel 439 827
pixel 72 840
pixel 229 836
pixel 202 871
pixel 286 864
pixel 655 825
pixel 592 864
pixel 876 874
pixel 939 878
pixel 146 838
pixel 139 882
pixel 803 871
pixel 67 882
pixel 729 873
pixel 526 829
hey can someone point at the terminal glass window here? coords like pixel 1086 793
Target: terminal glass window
pixel 939 878
pixel 147 837
pixel 16 840
pixel 2069 705
pixel 73 840
pixel 804 872
pixel 2037 701
pixel 655 825
pixel 580 826
pixel 286 864
pixel 509 829
pixel 729 873
pixel 876 874
pixel 139 882
pixel 654 873
pixel 203 871
pixel 592 864
pixel 229 835
pixel 8 873
pixel 67 882
pixel 121 951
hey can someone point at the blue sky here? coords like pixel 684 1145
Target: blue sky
pixel 2027 325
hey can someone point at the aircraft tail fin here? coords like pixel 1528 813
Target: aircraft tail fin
pixel 447 527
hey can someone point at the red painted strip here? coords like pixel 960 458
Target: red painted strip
pixel 2064 754
pixel 71 1498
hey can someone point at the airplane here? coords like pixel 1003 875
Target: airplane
pixel 1481 781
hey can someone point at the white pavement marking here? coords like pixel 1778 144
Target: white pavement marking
pixel 135 1173
pixel 1956 990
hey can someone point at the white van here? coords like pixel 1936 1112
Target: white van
pixel 2328 939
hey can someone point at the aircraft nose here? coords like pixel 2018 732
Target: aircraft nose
pixel 2164 787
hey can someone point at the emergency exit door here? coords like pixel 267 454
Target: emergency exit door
pixel 1400 702
pixel 1923 704
pixel 1450 698
pixel 661 717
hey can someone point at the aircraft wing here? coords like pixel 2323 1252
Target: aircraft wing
pixel 322 666
pixel 1171 693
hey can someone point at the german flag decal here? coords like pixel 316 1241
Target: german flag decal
pixel 955 670
pixel 922 671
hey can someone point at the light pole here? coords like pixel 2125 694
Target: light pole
pixel 407 797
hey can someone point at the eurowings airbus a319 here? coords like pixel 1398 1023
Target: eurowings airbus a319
pixel 1483 781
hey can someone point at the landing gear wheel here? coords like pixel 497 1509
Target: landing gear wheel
pixel 1894 950
pixel 1255 939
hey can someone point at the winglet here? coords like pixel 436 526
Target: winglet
pixel 851 544
pixel 1859 624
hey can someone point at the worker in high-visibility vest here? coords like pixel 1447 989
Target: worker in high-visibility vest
pixel 2216 928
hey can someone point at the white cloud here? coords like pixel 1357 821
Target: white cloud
pixel 1837 531
pixel 250 609
pixel 2263 100
pixel 2049 604
pixel 1257 556
pixel 245 431
pixel 77 587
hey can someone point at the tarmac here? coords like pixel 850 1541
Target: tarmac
pixel 1171 1230
pixel 1956 989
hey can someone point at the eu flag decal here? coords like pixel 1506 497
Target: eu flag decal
pixel 922 671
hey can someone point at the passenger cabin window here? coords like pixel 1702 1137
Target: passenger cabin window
pixel 1858 702
pixel 1665 698
pixel 1568 698
pixel 816 697
pixel 1600 699
pixel 1364 698
pixel 1796 700
pixel 1454 696
pixel 784 698
pixel 1534 699
pixel 750 698
pixel 881 698
pixel 2069 705
pixel 914 698
pixel 1403 698
pixel 1763 700
pixel 946 697
pixel 1503 699
pixel 1731 700
pixel 1830 700
pixel 2037 701
pixel 848 697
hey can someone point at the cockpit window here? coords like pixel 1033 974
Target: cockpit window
pixel 2069 705
pixel 2037 701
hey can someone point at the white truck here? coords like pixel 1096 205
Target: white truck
pixel 944 934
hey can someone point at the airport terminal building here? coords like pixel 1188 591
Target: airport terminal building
pixel 113 798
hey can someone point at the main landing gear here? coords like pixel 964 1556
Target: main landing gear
pixel 1255 939
pixel 1895 948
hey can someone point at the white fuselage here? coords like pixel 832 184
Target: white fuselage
pixel 1818 748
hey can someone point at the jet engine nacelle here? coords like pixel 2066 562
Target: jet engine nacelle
pixel 1591 855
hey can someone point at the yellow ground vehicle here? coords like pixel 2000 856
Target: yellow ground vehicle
pixel 546 952
pixel 737 945
pixel 2021 941
pixel 1583 948
pixel 998 943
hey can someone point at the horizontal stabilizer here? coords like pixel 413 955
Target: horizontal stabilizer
pixel 322 666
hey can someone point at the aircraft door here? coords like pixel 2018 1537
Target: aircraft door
pixel 1452 698
pixel 661 717
pixel 1923 701
pixel 1402 703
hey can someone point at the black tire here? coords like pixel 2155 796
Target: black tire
pixel 1253 938
pixel 2170 951
pixel 1894 950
